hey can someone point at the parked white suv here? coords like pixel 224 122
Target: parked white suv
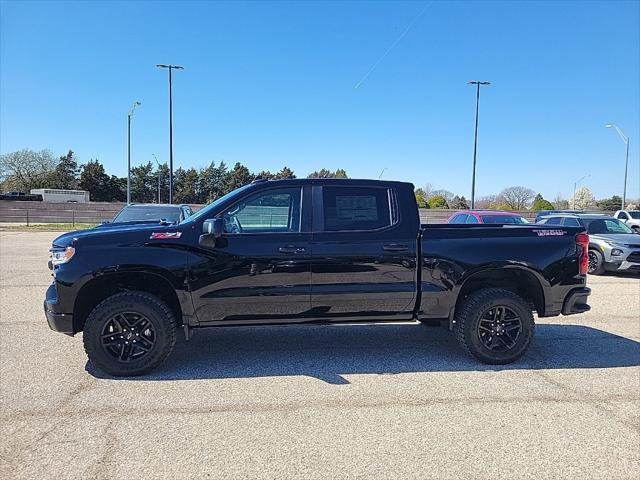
pixel 630 217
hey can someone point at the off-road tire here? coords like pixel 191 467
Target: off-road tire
pixel 469 314
pixel 151 307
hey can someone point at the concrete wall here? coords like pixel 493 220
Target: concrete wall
pixel 96 212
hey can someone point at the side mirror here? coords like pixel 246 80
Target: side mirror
pixel 214 226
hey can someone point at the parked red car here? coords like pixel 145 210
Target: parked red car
pixel 487 216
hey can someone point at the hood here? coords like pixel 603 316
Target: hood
pixel 622 238
pixel 68 238
pixel 128 224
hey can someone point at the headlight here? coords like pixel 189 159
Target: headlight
pixel 58 256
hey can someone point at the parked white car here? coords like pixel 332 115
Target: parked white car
pixel 630 217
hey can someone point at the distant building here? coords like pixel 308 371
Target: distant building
pixel 54 195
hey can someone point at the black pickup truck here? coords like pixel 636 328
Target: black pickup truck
pixel 310 251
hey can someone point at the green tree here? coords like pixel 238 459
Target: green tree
pixel 26 169
pixel 213 182
pixel 610 204
pixel 100 186
pixel 143 183
pixel 421 198
pixel 65 175
pixel 438 201
pixel 238 176
pixel 186 183
pixel 539 203
pixel 458 203
pixel 325 173
pixel 284 174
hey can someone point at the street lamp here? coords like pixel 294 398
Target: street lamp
pixel 625 139
pixel 156 158
pixel 170 68
pixel 135 104
pixel 475 141
pixel 575 185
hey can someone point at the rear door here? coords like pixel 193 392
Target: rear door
pixel 363 262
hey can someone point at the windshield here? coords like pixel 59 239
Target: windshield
pixel 635 215
pixel 504 219
pixel 606 226
pixel 206 211
pixel 148 214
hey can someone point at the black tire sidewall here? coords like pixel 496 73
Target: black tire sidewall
pixel 153 309
pixel 600 267
pixel 473 311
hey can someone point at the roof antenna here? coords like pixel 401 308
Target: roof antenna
pixel 383 170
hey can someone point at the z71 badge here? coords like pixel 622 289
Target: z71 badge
pixel 550 233
pixel 165 235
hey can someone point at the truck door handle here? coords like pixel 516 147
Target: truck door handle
pixel 394 247
pixel 291 249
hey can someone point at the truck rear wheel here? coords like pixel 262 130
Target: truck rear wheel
pixel 494 325
pixel 129 333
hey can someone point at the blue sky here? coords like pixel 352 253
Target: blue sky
pixel 273 83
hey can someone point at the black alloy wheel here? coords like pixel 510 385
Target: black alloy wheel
pixel 128 336
pixel 499 328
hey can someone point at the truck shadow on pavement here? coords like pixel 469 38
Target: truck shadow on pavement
pixel 328 352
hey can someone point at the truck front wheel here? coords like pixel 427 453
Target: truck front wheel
pixel 129 333
pixel 494 325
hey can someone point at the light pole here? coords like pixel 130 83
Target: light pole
pixel 575 185
pixel 133 107
pixel 156 158
pixel 170 68
pixel 625 139
pixel 475 141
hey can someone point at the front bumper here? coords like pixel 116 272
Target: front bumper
pixel 58 322
pixel 576 301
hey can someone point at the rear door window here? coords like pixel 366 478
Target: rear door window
pixel 554 221
pixel 356 208
pixel 571 222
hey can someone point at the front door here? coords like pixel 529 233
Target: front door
pixel 259 270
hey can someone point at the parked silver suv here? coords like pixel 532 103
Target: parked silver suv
pixel 631 218
pixel 612 245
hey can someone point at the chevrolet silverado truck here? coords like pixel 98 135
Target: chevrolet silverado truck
pixel 310 251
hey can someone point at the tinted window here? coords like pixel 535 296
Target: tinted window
pixel 147 214
pixel 553 221
pixel 459 218
pixel 356 208
pixel 635 215
pixel 571 222
pixel 503 219
pixel 606 225
pixel 622 216
pixel 471 219
pixel 276 210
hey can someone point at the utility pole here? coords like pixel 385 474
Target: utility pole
pixel 625 139
pixel 135 104
pixel 170 68
pixel 156 158
pixel 475 141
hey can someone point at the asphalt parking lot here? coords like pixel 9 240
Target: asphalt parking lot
pixel 369 401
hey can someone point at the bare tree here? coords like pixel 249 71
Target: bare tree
pixel 487 202
pixel 26 169
pixel 517 198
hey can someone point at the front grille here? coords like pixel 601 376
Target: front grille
pixel 634 257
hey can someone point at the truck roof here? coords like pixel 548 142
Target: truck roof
pixel 332 181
